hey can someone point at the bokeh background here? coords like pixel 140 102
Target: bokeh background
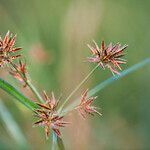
pixel 54 35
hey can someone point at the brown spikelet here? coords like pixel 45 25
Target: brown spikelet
pixel 7 49
pixel 20 72
pixel 108 57
pixel 48 117
pixel 85 105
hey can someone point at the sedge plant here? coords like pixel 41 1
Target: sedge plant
pixel 48 110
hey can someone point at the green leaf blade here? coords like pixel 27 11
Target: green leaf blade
pixel 18 95
pixel 12 127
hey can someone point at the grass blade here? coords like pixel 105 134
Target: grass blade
pixel 16 94
pixel 110 80
pixel 12 127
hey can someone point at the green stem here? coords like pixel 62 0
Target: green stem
pixel 54 141
pixel 60 143
pixel 34 90
pixel 78 86
pixel 57 141
pixel 30 85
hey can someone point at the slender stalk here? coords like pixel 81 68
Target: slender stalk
pixel 60 143
pixel 54 141
pixel 34 90
pixel 57 143
pixel 78 86
pixel 107 82
pixel 30 85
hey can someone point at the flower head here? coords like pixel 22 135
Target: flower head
pixel 108 56
pixel 50 103
pixel 48 117
pixel 19 72
pixel 7 49
pixel 49 121
pixel 85 105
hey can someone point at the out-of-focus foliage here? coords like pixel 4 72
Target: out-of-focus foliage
pixel 54 35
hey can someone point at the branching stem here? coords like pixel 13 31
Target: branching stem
pixel 78 86
pixel 29 84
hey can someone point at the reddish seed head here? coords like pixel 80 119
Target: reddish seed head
pixel 20 72
pixel 50 120
pixel 50 103
pixel 7 49
pixel 85 105
pixel 109 56
pixel 48 117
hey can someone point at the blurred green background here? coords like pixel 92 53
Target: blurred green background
pixel 54 35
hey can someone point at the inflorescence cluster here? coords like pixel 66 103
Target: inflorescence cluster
pixel 49 114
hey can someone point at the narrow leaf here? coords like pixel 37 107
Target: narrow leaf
pixel 18 95
pixel 12 127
